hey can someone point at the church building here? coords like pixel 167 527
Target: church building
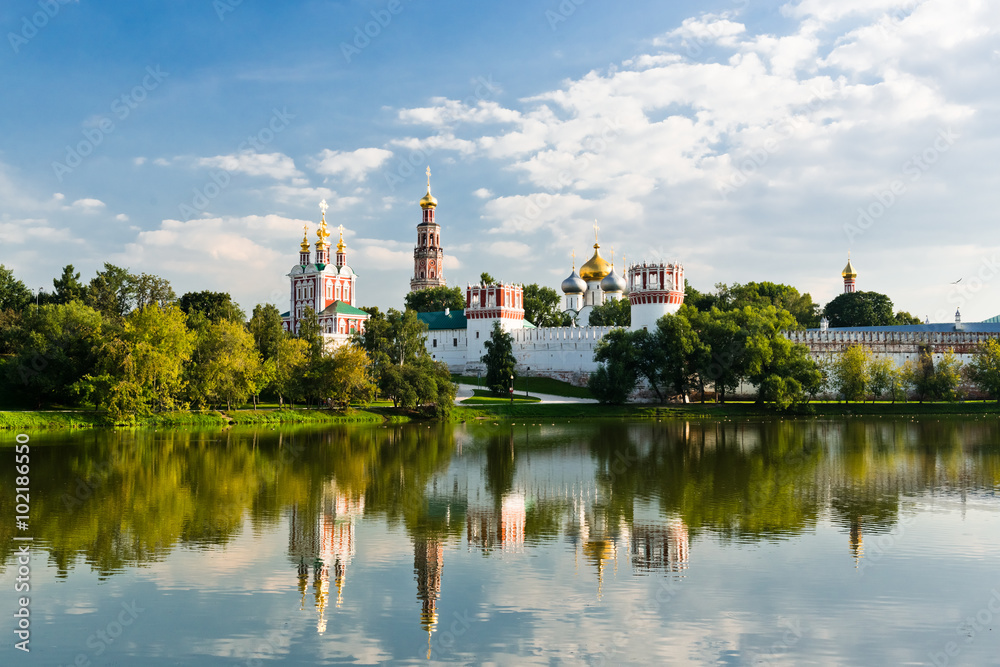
pixel 328 289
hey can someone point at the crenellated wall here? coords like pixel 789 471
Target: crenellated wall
pixel 899 345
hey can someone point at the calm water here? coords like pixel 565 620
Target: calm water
pixel 784 542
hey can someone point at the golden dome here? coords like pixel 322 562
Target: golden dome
pixel 596 268
pixel 849 271
pixel 428 201
pixel 305 239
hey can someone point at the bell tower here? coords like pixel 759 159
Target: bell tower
pixel 428 255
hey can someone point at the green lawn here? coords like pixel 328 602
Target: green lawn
pixel 537 385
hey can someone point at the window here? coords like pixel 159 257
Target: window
pixel 454 342
pixel 435 342
pixel 477 334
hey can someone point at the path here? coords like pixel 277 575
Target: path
pixel 465 391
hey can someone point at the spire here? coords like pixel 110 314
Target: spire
pixel 305 238
pixel 428 201
pixel 322 234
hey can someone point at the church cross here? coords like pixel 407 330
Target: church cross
pixel 323 206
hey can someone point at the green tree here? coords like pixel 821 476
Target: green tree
pixel 291 361
pixel 758 295
pixel 486 279
pixel 698 300
pixel 214 306
pixel 984 369
pixel 921 374
pixel 311 332
pixel 434 299
pixel 68 286
pixel 903 317
pixel 947 377
pixel 860 309
pixel 612 313
pixel 683 352
pixel 226 366
pixel 541 307
pixel 267 330
pixel 160 345
pixel 617 375
pixel 883 377
pixel 782 371
pixel 852 373
pixel 109 292
pixel 347 376
pixel 57 346
pixel 499 360
pixel 149 290
pixel 14 294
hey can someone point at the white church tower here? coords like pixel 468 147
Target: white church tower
pixel 654 290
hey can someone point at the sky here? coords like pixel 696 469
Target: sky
pixel 748 140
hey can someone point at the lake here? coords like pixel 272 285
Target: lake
pixel 775 542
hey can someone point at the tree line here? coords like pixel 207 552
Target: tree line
pixel 125 343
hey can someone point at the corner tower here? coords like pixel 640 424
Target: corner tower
pixel 428 255
pixel 849 275
pixel 655 289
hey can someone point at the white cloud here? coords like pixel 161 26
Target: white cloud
pixel 139 161
pixel 350 165
pixel 482 193
pixel 88 205
pixel 274 165
pixel 121 217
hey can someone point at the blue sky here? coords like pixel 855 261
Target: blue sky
pixel 749 140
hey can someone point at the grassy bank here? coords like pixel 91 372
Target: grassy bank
pixel 22 421
pixel 538 385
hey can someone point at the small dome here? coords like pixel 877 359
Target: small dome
pixel 428 201
pixel 596 267
pixel 849 271
pixel 574 284
pixel 613 282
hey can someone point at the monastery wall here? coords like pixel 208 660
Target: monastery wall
pixel 898 346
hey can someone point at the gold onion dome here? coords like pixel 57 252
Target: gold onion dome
pixel 305 239
pixel 849 271
pixel 596 268
pixel 428 201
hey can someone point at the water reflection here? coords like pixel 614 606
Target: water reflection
pixel 626 499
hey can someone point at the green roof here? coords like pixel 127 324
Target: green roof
pixel 993 320
pixel 342 308
pixel 435 321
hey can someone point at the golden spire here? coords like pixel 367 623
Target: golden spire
pixel 322 232
pixel 612 258
pixel 340 244
pixel 849 271
pixel 573 255
pixel 305 238
pixel 428 201
pixel 596 230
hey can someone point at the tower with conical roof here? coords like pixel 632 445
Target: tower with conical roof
pixel 428 255
pixel 849 275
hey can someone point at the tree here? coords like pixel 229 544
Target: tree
pixel 57 346
pixel 616 377
pixel 903 317
pixel 801 306
pixel 14 294
pixel 486 279
pixel 267 330
pixel 434 299
pixel 984 370
pixel 111 293
pixel 541 307
pixel 68 286
pixel 851 373
pixel 947 377
pixel 698 300
pixel 347 377
pixel 921 374
pixel 499 360
pixel 883 377
pixel 214 306
pixel 291 360
pixel 160 345
pixel 612 313
pixel 148 290
pixel 860 309
pixel 683 352
pixel 312 334
pixel 227 367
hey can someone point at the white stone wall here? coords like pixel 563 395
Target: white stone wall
pixel 450 346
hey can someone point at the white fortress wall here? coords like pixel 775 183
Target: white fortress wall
pixel 449 346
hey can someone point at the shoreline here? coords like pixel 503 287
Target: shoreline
pixel 499 411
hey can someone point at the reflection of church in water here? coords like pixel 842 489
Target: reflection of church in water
pixel 323 541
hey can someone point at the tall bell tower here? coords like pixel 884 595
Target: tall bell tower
pixel 428 255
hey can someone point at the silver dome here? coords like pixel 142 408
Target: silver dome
pixel 613 282
pixel 574 284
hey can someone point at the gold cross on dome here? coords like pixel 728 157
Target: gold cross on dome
pixel 428 177
pixel 341 228
pixel 596 230
pixel 323 206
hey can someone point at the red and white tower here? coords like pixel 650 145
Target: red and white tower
pixel 654 291
pixel 328 289
pixel 428 255
pixel 850 275
pixel 486 304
